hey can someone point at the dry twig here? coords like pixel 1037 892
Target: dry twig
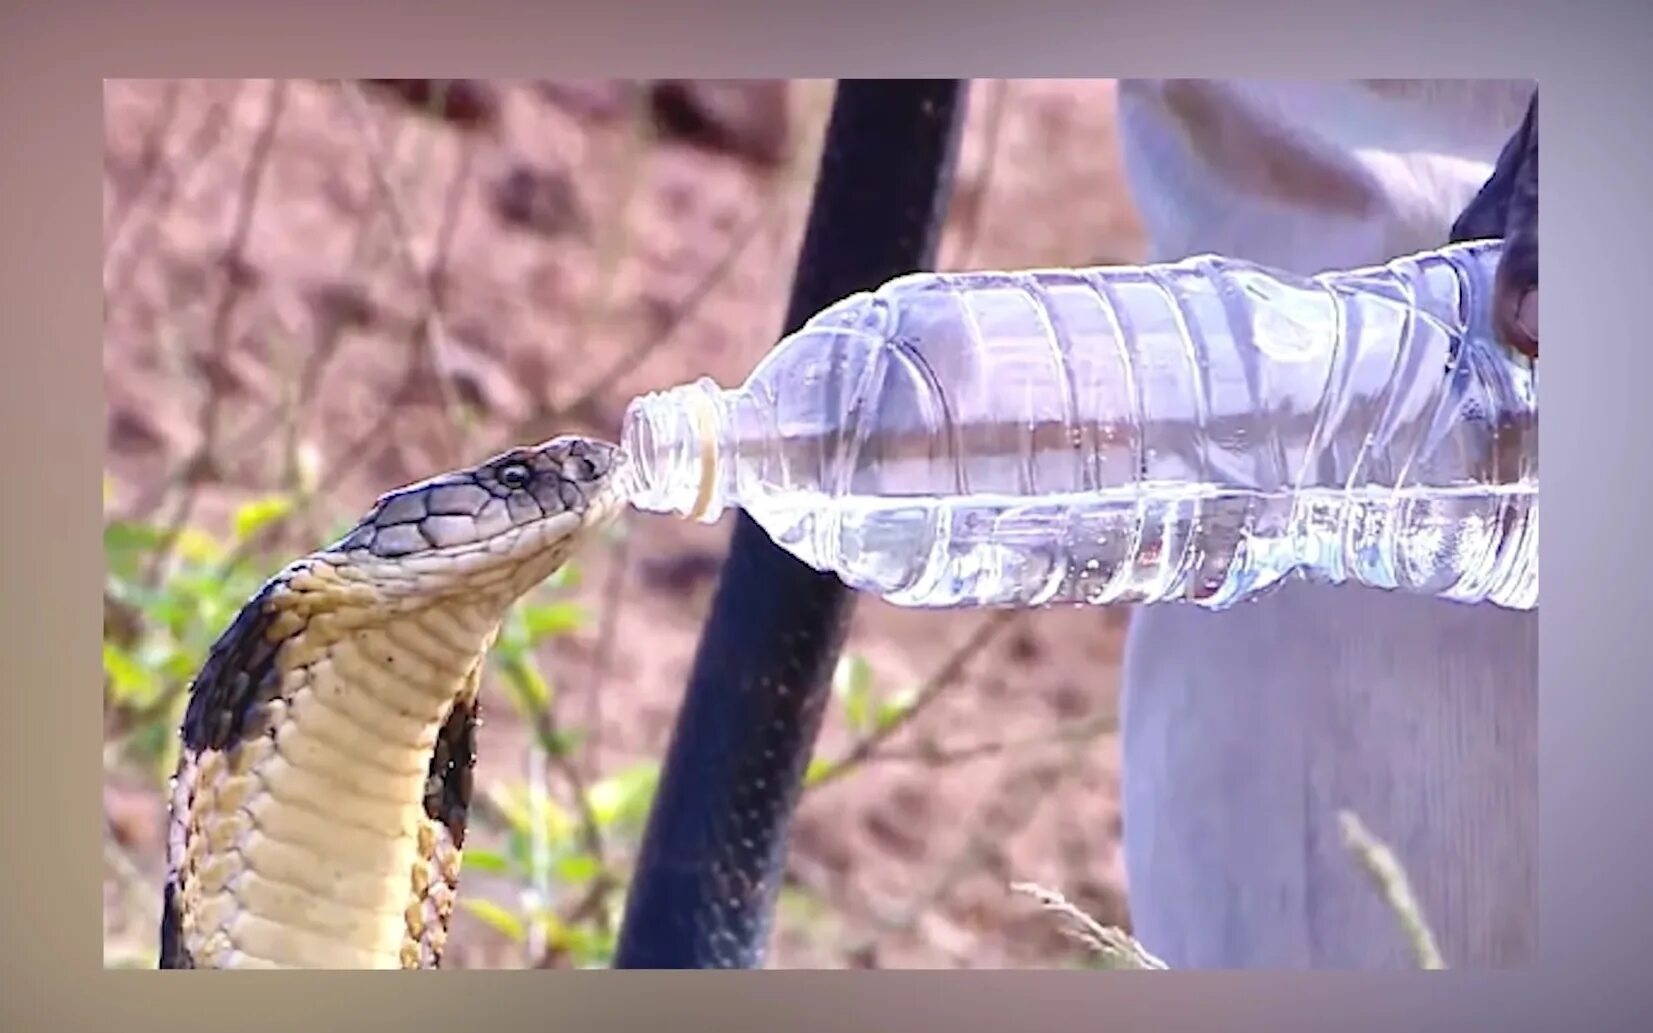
pixel 117 278
pixel 229 298
pixel 1013 805
pixel 1390 878
pixel 151 162
pixel 943 678
pixel 432 335
pixel 680 315
pixel 376 440
pixel 936 756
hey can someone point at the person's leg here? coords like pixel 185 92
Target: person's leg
pixel 1246 731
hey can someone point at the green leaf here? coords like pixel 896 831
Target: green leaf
pixel 558 742
pixel 197 546
pixel 567 577
pixel 131 681
pixel 205 586
pixel 555 824
pixel 529 689
pixel 852 684
pixel 179 665
pixel 625 795
pixel 254 516
pixel 803 907
pixel 586 945
pixel 577 868
pixel 491 861
pixel 547 620
pixel 512 806
pixel 123 536
pixel 512 640
pixel 496 918
pixel 895 708
pixel 819 768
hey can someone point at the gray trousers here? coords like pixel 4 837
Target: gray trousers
pixel 1246 731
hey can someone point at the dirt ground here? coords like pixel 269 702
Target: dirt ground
pixel 574 244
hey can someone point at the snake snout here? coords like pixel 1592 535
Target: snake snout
pixel 556 488
pixel 583 459
pixel 588 471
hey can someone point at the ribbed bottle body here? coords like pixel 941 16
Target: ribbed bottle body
pixel 1196 431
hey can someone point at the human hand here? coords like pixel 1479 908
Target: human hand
pixel 1507 207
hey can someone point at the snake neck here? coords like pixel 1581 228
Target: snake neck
pixel 328 833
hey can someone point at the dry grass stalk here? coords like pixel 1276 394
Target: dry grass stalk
pixel 1117 948
pixel 1386 872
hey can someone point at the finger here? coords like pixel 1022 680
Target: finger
pixel 1515 290
pixel 1515 320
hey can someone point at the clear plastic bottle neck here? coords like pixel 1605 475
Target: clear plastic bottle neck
pixel 673 442
pixel 698 449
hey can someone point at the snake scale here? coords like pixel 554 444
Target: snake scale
pixel 318 811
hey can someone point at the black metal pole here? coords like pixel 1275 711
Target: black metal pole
pixel 704 890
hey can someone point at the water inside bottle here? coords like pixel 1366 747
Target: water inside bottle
pixel 1211 545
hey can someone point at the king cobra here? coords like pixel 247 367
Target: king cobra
pixel 318 811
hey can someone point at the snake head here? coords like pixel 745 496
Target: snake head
pixel 493 530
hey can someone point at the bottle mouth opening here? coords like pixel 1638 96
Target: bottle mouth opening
pixel 669 441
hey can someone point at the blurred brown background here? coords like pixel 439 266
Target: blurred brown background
pixel 320 290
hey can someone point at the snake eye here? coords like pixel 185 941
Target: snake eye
pixel 515 475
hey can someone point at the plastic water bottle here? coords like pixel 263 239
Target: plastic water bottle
pixel 1193 431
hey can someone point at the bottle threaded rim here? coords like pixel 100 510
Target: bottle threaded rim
pixel 670 441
